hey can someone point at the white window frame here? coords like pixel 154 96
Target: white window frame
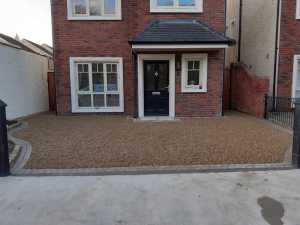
pixel 295 74
pixel 73 16
pixel 74 83
pixel 198 8
pixel 203 58
pixel 298 9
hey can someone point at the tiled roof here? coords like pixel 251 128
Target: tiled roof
pixel 40 47
pixel 180 31
pixel 14 43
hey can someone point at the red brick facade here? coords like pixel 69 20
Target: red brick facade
pixel 289 46
pixel 110 39
pixel 248 91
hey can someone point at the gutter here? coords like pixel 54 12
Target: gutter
pixel 276 59
pixel 240 30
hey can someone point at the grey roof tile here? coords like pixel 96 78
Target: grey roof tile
pixel 180 31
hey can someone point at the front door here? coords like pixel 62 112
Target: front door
pixel 156 88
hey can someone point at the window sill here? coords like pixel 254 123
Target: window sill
pixel 187 90
pixel 157 10
pixel 94 110
pixel 94 18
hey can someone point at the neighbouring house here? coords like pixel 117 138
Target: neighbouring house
pixel 140 57
pixel 47 51
pixel 270 47
pixel 23 78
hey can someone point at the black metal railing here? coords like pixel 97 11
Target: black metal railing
pixel 280 110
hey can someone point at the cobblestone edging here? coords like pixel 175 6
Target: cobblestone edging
pixel 150 170
pixel 24 148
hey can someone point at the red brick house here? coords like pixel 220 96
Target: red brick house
pixel 288 79
pixel 139 57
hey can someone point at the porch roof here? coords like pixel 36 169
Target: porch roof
pixel 180 32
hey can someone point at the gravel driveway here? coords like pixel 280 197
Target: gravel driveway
pixel 93 141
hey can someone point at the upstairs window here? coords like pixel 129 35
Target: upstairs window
pixel 94 9
pixel 298 9
pixel 184 6
pixel 296 77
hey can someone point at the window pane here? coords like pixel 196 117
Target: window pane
pixel 83 68
pixel 112 82
pixel 297 94
pixel 95 7
pixel 165 2
pixel 99 101
pixel 298 76
pixel 193 77
pixel 98 82
pixel 197 65
pixel 83 82
pixel 84 101
pixel 113 100
pixel 190 65
pixel 109 6
pixel 186 2
pixel 80 7
pixel 97 67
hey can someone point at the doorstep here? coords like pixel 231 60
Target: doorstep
pixel 157 119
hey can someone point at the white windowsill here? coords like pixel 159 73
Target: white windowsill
pixel 191 90
pixel 94 18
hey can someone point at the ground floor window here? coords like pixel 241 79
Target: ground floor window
pixel 194 73
pixel 97 84
pixel 296 77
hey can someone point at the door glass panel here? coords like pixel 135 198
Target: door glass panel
pixel 99 101
pixel 109 6
pixel 113 100
pixel 186 2
pixel 84 101
pixel 165 2
pixel 149 78
pixel 95 7
pixel 163 76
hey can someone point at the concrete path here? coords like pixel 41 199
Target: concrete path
pixel 253 198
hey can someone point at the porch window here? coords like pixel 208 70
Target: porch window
pixel 96 85
pixel 184 6
pixel 94 9
pixel 296 79
pixel 194 73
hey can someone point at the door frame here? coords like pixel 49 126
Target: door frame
pixel 140 73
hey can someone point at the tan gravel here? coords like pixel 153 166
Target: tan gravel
pixel 93 141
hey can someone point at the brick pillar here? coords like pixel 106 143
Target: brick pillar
pixel 296 143
pixel 4 155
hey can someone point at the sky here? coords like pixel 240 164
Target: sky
pixel 30 19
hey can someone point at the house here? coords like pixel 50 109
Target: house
pixel 46 51
pixel 270 33
pixel 140 57
pixel 43 49
pixel 23 79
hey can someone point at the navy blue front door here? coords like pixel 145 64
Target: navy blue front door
pixel 156 88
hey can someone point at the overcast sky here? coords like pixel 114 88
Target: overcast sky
pixel 30 19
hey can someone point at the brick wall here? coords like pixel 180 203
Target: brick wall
pixel 289 46
pixel 248 91
pixel 110 39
